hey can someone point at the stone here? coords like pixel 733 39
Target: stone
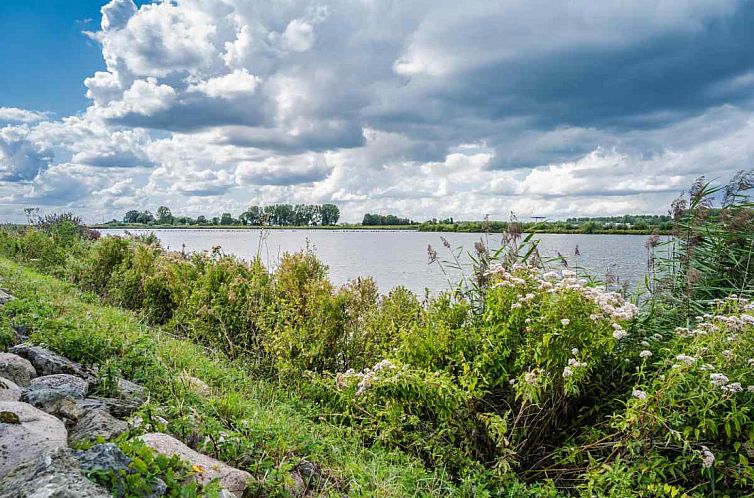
pixel 9 391
pixel 16 369
pixel 48 363
pixel 197 385
pixel 76 387
pixel 104 456
pixel 96 423
pixel 230 478
pixel 53 474
pixel 109 458
pixel 55 402
pixel 119 408
pixel 34 433
pixel 4 297
pixel 131 391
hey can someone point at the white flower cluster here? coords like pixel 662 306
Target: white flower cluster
pixel 366 377
pixel 708 458
pixel 573 364
pixel 645 353
pixel 688 360
pixel 638 393
pixel 612 305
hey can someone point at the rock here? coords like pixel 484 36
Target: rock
pixel 109 458
pixel 9 391
pixel 48 363
pixel 75 387
pixel 105 456
pixel 53 474
pixel 131 391
pixel 230 478
pixel 196 385
pixel 56 402
pixel 16 369
pixel 119 408
pixel 33 433
pixel 96 423
pixel 4 297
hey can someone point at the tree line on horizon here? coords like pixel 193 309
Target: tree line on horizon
pixel 274 215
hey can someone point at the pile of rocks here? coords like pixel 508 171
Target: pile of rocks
pixel 46 404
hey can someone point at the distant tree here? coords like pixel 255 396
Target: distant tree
pixel 201 220
pixel 227 219
pixel 131 216
pixel 390 219
pixel 215 220
pixel 330 214
pixel 145 217
pixel 164 216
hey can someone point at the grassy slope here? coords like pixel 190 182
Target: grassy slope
pixel 268 431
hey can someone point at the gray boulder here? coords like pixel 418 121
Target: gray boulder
pixel 119 408
pixel 25 434
pixel 48 363
pixel 56 402
pixel 230 478
pixel 75 387
pixel 4 297
pixel 9 391
pixel 105 456
pixel 131 391
pixel 54 474
pixel 96 423
pixel 17 369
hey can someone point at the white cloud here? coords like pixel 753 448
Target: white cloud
pixel 425 108
pixel 16 115
pixel 298 36
pixel 234 85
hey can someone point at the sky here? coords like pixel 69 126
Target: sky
pixel 420 109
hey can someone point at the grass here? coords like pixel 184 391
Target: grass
pixel 252 424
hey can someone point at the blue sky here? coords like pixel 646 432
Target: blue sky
pixel 422 109
pixel 39 35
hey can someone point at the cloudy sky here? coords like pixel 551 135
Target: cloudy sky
pixel 419 108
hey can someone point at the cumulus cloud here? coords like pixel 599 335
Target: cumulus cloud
pixel 16 115
pixel 422 108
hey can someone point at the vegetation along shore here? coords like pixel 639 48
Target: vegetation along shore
pixel 326 216
pixel 525 381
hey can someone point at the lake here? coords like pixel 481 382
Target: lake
pixel 396 258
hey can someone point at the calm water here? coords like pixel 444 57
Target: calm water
pixel 400 258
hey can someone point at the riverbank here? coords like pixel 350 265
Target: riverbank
pixel 521 382
pixel 250 424
pixel 431 228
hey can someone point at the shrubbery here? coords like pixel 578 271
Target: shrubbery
pixel 530 380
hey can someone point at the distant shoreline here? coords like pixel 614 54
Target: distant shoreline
pixel 405 228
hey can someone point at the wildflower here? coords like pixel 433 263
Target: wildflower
pixel 645 353
pixel 645 344
pixel 567 372
pixel 718 379
pixel 565 322
pixel 620 334
pixel 688 360
pixel 708 458
pixel 750 362
pixel 750 389
pixel 638 393
pixel 733 387
pixel 727 354
pixel 594 317
pixel 512 381
pixel 550 275
pixel 515 306
pixel 574 351
pixel 531 377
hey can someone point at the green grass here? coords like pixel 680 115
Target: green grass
pixel 252 424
